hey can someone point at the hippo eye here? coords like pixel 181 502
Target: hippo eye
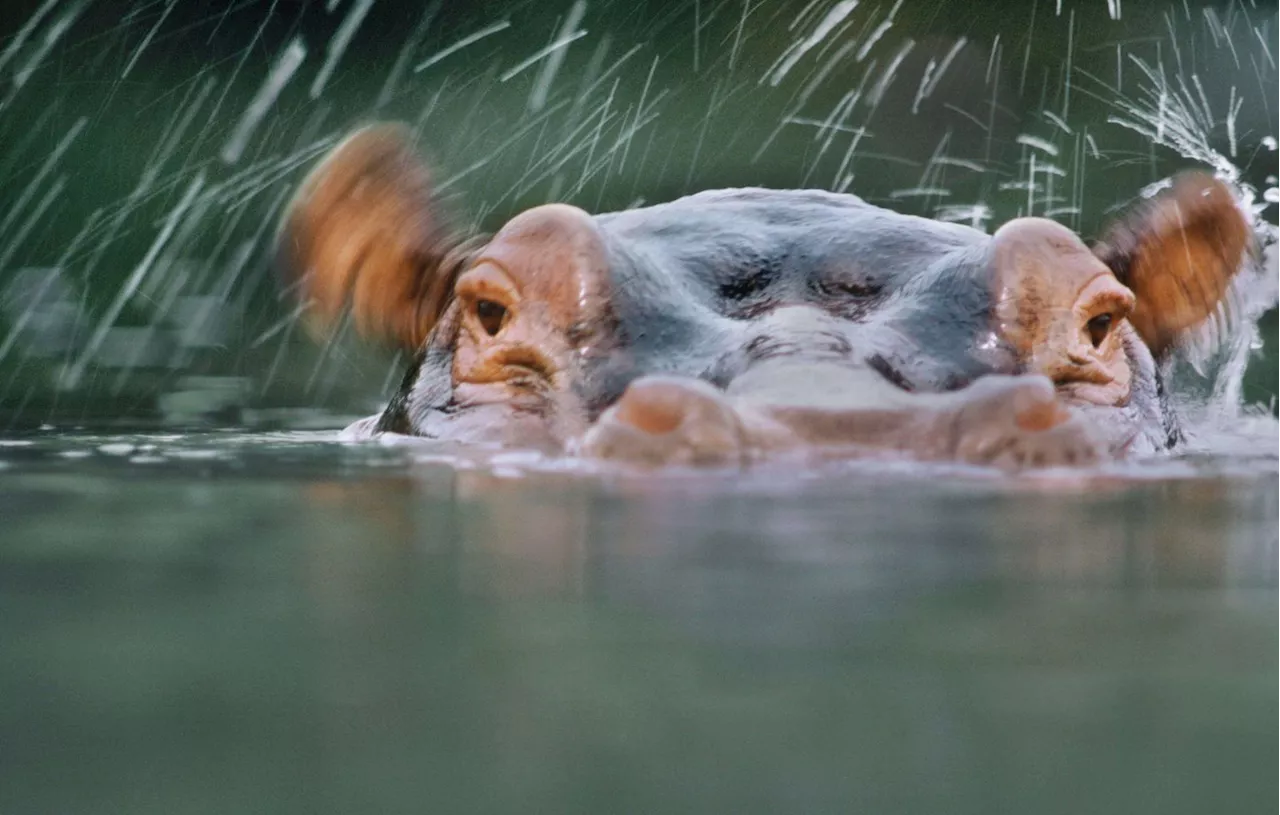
pixel 1098 328
pixel 491 315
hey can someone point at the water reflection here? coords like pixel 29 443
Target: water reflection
pixel 560 534
pixel 274 622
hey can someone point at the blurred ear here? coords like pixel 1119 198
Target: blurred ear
pixel 1178 254
pixel 365 230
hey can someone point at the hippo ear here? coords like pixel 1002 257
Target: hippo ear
pixel 1178 254
pixel 366 229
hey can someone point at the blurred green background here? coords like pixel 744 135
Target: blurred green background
pixel 146 149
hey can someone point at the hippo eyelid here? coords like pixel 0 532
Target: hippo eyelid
pixel 1103 312
pixel 489 281
pixel 1114 303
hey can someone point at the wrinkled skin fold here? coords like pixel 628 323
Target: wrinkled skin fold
pixel 738 324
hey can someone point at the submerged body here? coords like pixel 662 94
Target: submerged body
pixel 738 323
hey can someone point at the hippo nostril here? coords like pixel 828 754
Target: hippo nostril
pixel 491 316
pixel 654 407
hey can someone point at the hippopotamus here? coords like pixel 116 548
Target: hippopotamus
pixel 733 325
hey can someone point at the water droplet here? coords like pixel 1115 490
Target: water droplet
pixel 195 455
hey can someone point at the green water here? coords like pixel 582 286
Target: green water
pixel 221 622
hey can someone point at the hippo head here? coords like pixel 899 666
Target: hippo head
pixel 758 314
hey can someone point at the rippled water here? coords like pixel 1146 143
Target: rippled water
pixel 232 622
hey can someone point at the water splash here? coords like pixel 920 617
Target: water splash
pixel 834 16
pixel 1176 114
pixel 517 105
pixel 470 39
pixel 339 44
pixel 282 71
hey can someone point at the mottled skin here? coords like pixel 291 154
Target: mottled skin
pixel 735 324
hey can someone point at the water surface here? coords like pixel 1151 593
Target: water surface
pixel 232 622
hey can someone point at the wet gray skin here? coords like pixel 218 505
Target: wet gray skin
pixel 735 324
